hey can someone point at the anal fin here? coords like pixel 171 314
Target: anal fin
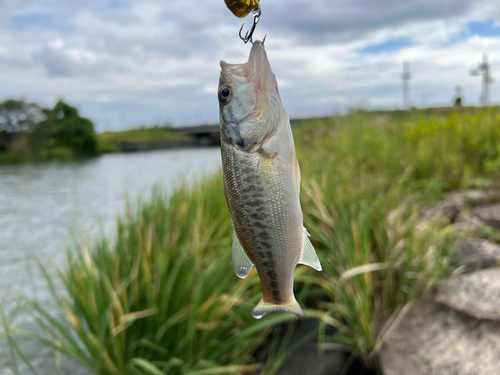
pixel 309 257
pixel 241 263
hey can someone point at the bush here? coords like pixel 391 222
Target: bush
pixel 64 128
pixel 16 119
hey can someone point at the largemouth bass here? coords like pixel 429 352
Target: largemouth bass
pixel 262 182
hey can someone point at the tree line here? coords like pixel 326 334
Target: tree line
pixel 31 131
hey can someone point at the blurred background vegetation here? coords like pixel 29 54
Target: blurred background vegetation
pixel 29 132
pixel 110 141
pixel 162 298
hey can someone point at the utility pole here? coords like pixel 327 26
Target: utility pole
pixel 484 70
pixel 406 76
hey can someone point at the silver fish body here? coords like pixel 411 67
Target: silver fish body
pixel 262 181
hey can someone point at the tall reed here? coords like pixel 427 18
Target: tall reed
pixel 162 297
pixel 375 261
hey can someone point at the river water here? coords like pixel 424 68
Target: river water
pixel 43 206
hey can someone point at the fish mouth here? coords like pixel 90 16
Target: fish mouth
pixel 258 59
pixel 255 105
pixel 257 69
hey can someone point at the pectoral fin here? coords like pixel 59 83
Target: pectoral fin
pixel 241 263
pixel 309 257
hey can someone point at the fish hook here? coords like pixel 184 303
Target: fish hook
pixel 256 18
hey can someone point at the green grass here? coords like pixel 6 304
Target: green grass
pixel 110 141
pixel 11 158
pixel 365 176
pixel 25 156
pixel 364 154
pixel 163 299
pixel 374 261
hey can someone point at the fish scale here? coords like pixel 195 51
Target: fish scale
pixel 253 222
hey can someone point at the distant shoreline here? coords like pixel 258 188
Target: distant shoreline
pixel 199 136
pixel 205 135
pixel 148 146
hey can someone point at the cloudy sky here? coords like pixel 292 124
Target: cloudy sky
pixel 126 63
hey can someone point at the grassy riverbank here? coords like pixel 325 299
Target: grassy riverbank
pixel 106 142
pixel 163 299
pixel 110 141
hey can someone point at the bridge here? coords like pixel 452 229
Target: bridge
pixel 208 133
pixel 200 136
pixel 211 130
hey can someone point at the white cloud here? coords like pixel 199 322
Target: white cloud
pixel 104 98
pixel 136 62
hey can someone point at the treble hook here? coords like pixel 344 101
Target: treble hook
pixel 256 18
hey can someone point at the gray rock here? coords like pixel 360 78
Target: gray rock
pixel 303 357
pixel 477 254
pixel 473 197
pixel 490 214
pixel 445 212
pixel 433 339
pixel 477 294
pixel 468 223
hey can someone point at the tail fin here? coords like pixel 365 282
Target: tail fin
pixel 263 308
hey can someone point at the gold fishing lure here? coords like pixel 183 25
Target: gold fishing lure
pixel 242 8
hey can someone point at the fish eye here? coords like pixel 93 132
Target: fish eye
pixel 225 94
